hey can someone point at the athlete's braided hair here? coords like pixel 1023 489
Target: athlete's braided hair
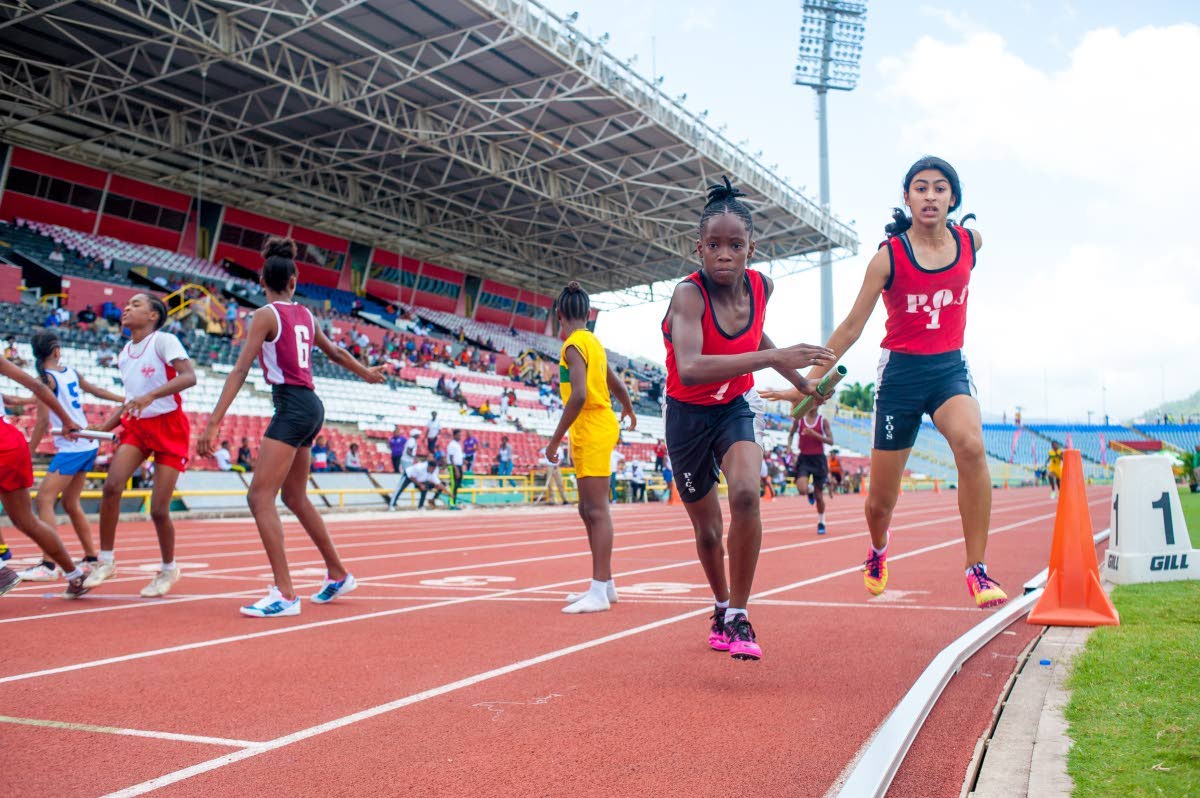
pixel 900 220
pixel 44 343
pixel 723 199
pixel 573 303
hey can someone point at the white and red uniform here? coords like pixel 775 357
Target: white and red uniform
pixel 809 444
pixel 287 359
pixel 162 429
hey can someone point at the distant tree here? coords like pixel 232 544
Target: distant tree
pixel 857 396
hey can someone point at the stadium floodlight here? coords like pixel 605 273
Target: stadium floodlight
pixel 831 35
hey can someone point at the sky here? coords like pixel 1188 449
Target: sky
pixel 1073 126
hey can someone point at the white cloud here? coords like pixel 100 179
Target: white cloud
pixel 957 21
pixel 1114 116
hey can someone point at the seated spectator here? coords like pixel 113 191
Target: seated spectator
pixel 86 317
pixel 320 455
pixel 57 255
pixel 353 463
pixel 51 320
pixel 224 459
pixel 245 458
pixel 485 410
pixel 334 465
pixel 105 356
pixel 64 316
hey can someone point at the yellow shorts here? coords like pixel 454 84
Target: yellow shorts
pixel 1055 471
pixel 594 435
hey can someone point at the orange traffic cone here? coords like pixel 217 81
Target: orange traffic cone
pixel 1073 595
pixel 935 487
pixel 674 497
pixel 768 494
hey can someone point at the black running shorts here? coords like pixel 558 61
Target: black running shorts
pixel 811 466
pixel 910 386
pixel 698 436
pixel 298 417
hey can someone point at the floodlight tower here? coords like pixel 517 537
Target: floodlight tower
pixel 831 35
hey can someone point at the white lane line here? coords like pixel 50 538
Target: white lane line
pixel 584 553
pixel 130 605
pixel 437 604
pixel 425 695
pixel 156 735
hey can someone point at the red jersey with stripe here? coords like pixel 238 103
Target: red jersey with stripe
pixel 927 308
pixel 809 444
pixel 719 342
pixel 287 358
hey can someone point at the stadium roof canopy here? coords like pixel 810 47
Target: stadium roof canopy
pixel 487 135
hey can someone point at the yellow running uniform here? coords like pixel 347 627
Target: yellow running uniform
pixel 595 432
pixel 1054 462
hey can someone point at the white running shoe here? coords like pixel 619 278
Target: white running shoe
pixel 161 584
pixel 272 605
pixel 101 573
pixel 590 602
pixel 331 590
pixel 42 572
pixel 613 598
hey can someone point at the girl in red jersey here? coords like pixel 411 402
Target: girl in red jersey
pixel 155 369
pixel 281 336
pixel 16 478
pixel 922 271
pixel 710 425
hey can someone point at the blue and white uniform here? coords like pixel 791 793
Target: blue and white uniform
pixel 71 457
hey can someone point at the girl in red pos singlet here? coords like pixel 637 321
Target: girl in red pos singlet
pixel 16 478
pixel 282 334
pixel 713 331
pixel 922 271
pixel 155 369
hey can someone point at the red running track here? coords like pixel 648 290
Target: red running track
pixel 450 671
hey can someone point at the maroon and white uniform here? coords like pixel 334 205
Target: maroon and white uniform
pixel 287 359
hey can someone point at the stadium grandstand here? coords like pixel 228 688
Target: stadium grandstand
pixel 444 167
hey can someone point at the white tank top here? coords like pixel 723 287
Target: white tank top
pixel 147 365
pixel 69 395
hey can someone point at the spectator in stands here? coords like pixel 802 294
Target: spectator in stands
pixel 456 459
pixel 110 313
pixel 334 465
pixel 51 321
pixel 10 353
pixel 424 476
pixel 504 458
pixel 637 481
pixel 56 256
pixel 470 447
pixel 320 454
pixel 614 463
pixel 456 392
pixel 448 354
pixel 485 410
pixel 224 459
pixel 353 462
pixel 660 455
pixel 105 356
pixel 441 389
pixel 245 458
pixel 397 443
pixel 86 318
pixel 410 449
pixel 64 315
pixel 433 428
pixel 504 404
pixel 491 361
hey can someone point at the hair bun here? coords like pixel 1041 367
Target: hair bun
pixel 280 248
pixel 574 286
pixel 717 193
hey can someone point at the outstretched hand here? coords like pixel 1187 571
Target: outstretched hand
pixel 799 356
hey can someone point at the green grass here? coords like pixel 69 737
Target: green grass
pixel 1191 512
pixel 1134 712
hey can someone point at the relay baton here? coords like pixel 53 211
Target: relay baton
pixel 89 434
pixel 824 387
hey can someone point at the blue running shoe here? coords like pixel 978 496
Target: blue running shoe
pixel 5 552
pixel 272 605
pixel 331 590
pixel 820 528
pixel 812 499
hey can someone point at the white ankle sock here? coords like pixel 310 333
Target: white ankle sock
pixel 78 572
pixel 106 557
pixel 721 605
pixel 886 543
pixel 598 587
pixel 972 568
pixel 820 518
pixel 734 612
pixel 168 566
